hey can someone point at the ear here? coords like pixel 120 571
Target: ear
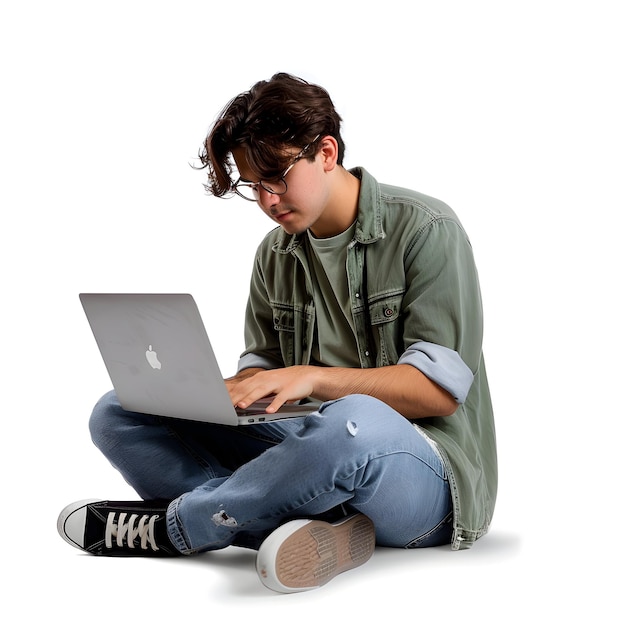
pixel 329 151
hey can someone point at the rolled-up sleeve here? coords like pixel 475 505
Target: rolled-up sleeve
pixel 250 359
pixel 441 365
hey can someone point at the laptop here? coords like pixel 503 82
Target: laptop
pixel 160 360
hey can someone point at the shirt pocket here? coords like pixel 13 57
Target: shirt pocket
pixel 283 317
pixel 386 322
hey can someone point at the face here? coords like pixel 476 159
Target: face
pixel 303 206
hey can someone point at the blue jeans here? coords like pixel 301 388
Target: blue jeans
pixel 234 485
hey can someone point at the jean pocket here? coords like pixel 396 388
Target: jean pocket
pixel 440 535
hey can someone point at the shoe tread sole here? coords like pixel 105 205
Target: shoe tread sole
pixel 317 552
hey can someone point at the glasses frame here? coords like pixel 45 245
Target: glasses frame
pixel 255 186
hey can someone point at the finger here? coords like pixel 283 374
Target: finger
pixel 244 398
pixel 242 392
pixel 280 399
pixel 275 404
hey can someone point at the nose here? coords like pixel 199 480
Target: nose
pixel 267 200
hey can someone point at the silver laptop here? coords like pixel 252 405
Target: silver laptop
pixel 160 360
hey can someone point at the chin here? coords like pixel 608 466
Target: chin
pixel 294 231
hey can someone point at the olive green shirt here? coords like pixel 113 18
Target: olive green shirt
pixel 415 298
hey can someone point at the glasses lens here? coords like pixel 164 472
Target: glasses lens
pixel 250 191
pixel 247 191
pixel 279 187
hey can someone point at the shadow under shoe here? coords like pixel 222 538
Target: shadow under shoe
pixel 109 528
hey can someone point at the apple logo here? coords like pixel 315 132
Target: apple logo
pixel 151 357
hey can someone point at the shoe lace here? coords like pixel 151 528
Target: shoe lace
pixel 137 527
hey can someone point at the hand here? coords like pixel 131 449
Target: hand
pixel 287 384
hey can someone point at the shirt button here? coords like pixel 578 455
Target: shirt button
pixel 388 312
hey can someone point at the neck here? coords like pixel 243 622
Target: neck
pixel 342 207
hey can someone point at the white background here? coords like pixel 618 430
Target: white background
pixel 511 112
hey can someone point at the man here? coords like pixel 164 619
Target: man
pixel 365 297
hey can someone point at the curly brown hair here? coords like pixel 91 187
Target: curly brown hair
pixel 267 121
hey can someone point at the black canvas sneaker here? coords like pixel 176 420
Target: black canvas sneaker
pixel 305 554
pixel 107 528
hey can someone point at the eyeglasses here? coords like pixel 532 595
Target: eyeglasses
pixel 250 191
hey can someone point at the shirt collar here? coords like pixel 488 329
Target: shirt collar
pixel 369 220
